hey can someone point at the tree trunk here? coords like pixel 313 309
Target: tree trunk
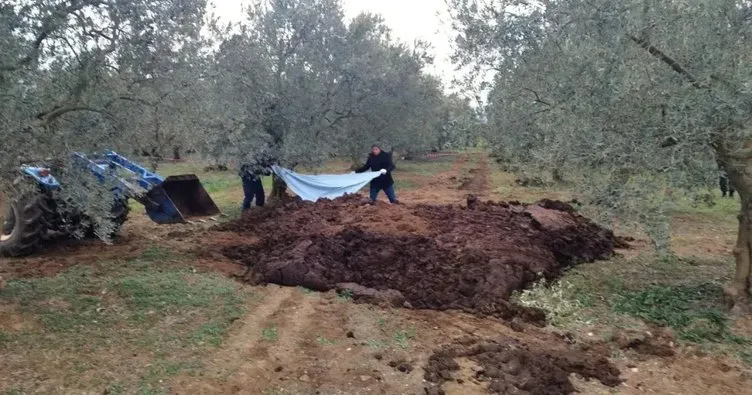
pixel 737 292
pixel 279 188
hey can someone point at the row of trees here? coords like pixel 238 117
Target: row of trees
pixel 294 81
pixel 305 85
pixel 637 101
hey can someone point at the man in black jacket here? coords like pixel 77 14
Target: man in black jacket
pixel 380 161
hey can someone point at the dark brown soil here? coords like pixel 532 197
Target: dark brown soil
pixel 433 257
pixel 512 367
pixel 476 179
pixel 401 366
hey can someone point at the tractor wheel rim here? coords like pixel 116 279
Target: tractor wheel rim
pixel 8 225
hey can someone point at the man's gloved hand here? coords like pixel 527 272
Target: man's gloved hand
pixel 383 171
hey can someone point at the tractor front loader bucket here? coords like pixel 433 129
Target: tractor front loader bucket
pixel 178 199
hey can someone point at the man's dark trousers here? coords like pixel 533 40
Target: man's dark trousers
pixel 253 188
pixel 389 191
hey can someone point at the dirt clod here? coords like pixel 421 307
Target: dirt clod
pixel 430 256
pixel 658 342
pixel 401 365
pixel 513 367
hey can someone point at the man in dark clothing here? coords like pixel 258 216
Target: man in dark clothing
pixel 381 161
pixel 252 185
pixel 726 187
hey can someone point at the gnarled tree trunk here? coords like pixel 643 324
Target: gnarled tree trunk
pixel 738 291
pixel 738 169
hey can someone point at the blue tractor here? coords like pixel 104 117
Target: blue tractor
pixel 171 200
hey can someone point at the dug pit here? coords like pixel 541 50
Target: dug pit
pixel 470 258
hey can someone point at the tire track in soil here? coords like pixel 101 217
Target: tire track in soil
pixel 477 182
pixel 311 353
pixel 245 361
pixel 292 319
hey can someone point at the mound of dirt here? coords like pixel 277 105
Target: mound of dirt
pixel 433 257
pixel 512 367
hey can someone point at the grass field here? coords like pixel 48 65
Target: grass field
pixel 148 319
pixel 83 321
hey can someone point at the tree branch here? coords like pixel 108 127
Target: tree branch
pixel 48 26
pixel 340 117
pixel 537 97
pixel 50 116
pixel 675 65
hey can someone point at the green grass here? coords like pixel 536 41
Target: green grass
pixel 505 188
pixel 156 253
pixel 381 323
pixel 716 208
pixel 376 344
pixel 402 337
pixel 5 338
pixel 270 334
pixel 171 290
pixel 683 294
pixel 345 296
pixel 695 311
pixel 424 167
pixel 321 340
pixel 153 381
pixel 148 308
pixel 304 290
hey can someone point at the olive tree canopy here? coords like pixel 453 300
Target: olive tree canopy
pixel 72 71
pixel 636 100
pixel 300 85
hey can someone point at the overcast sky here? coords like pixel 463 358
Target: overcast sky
pixel 409 20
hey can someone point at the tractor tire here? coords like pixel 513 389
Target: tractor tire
pixel 23 226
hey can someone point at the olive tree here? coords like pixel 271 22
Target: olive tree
pixel 71 72
pixel 170 113
pixel 459 125
pixel 278 69
pixel 390 100
pixel 297 85
pixel 635 100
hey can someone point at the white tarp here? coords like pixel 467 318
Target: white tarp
pixel 324 186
